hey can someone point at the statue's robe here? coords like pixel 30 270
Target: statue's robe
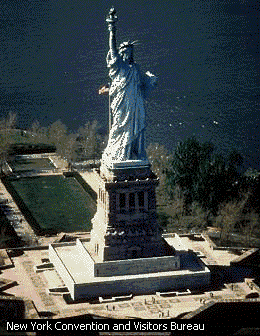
pixel 128 91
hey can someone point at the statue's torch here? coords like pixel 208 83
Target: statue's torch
pixel 112 18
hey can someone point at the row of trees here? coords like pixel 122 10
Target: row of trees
pixel 85 143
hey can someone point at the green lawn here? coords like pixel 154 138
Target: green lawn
pixel 57 202
pixel 16 136
pixel 22 164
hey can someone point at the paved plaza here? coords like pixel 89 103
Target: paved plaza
pixel 34 286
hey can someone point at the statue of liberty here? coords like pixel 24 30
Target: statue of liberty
pixel 127 92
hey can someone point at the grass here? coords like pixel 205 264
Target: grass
pixel 16 136
pixel 56 202
pixel 21 164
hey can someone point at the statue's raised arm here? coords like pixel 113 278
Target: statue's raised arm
pixel 111 20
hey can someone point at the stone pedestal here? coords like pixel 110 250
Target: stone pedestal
pixel 125 224
pixel 126 254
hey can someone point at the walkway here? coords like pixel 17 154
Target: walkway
pixel 16 218
pixel 57 161
pixel 91 178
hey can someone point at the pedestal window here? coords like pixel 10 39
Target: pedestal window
pixel 122 201
pixel 140 197
pixel 132 201
pixel 146 200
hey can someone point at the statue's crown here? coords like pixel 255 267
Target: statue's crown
pixel 128 44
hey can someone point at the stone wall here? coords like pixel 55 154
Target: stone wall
pixel 87 257
pixel 137 266
pixel 141 285
pixel 62 270
pixel 92 179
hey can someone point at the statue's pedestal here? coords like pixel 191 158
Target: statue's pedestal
pixel 125 224
pixel 129 170
pixel 126 253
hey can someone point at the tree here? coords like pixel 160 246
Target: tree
pixel 90 140
pixel 70 150
pixel 203 176
pixel 173 213
pixel 6 127
pixel 158 157
pixel 213 183
pixel 176 214
pixel 35 132
pixel 187 164
pixel 199 216
pixel 160 160
pixel 57 133
pixel 39 134
pixel 250 225
pixel 229 215
pixel 10 122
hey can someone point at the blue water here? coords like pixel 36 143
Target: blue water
pixel 205 53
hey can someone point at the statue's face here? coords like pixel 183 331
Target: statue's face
pixel 126 53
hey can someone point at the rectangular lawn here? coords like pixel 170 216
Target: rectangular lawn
pixel 25 164
pixel 57 202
